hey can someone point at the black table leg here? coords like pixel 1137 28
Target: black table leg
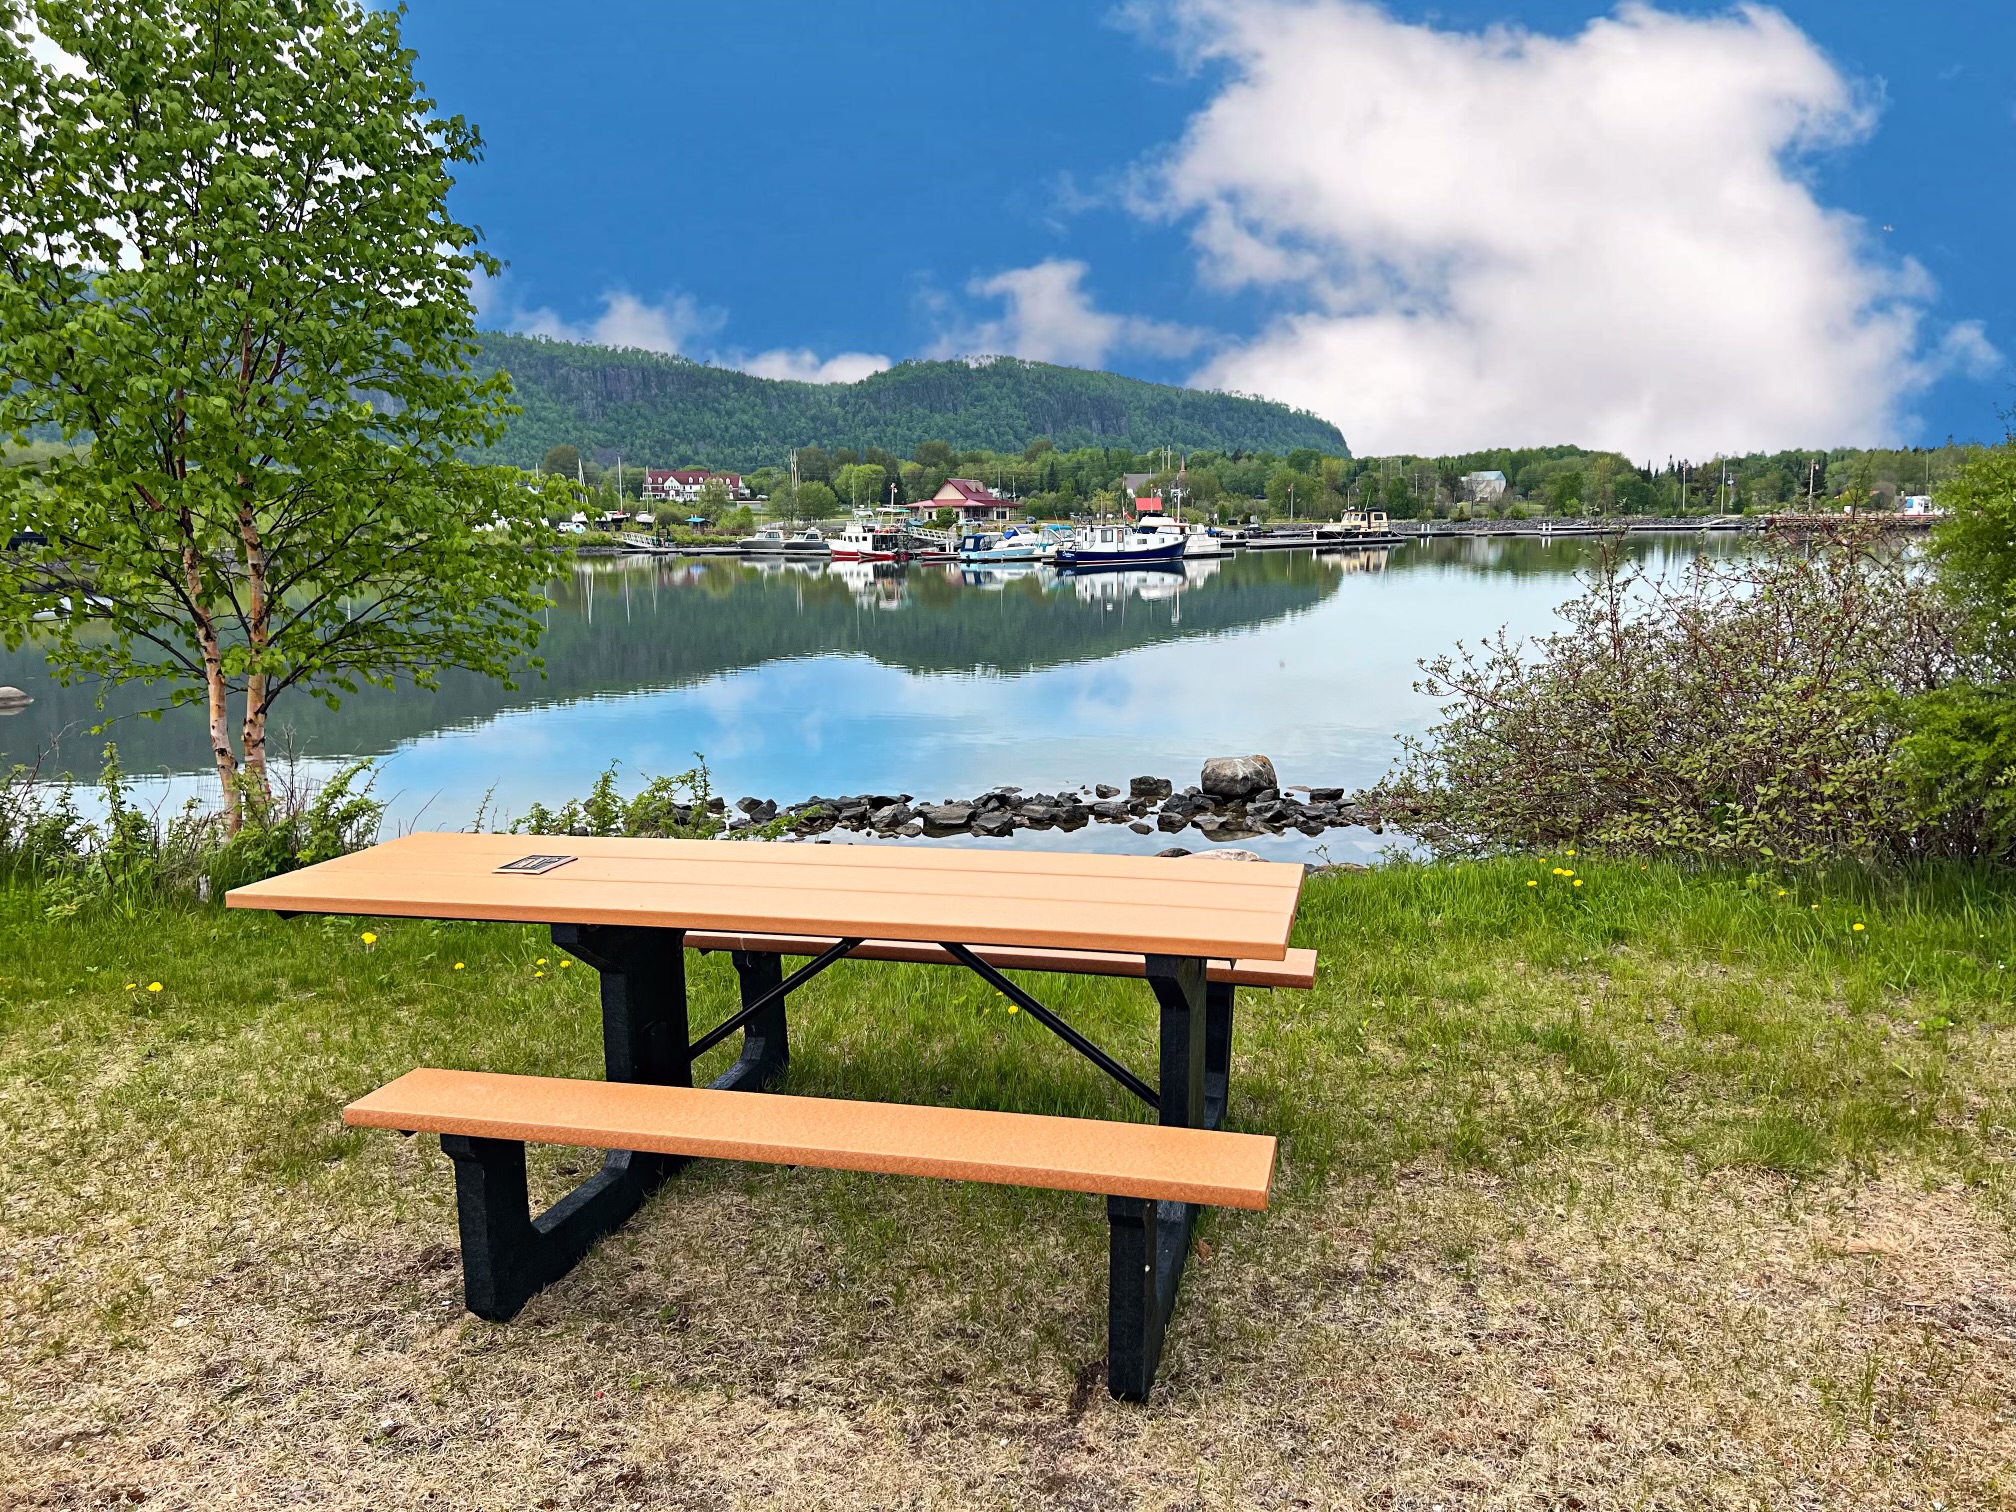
pixel 508 1255
pixel 765 1049
pixel 1150 1240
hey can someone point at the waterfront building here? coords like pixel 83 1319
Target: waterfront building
pixel 974 503
pixel 682 485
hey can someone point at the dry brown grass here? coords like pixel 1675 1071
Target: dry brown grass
pixel 1587 1337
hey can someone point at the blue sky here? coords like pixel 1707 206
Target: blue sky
pixel 1670 231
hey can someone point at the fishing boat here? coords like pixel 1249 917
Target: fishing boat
pixel 1096 547
pixel 865 541
pixel 769 538
pixel 1017 543
pixel 1358 527
pixel 807 542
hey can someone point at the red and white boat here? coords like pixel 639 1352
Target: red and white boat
pixel 864 541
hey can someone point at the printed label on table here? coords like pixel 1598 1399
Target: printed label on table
pixel 533 865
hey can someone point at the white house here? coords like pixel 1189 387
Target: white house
pixel 682 485
pixel 1484 487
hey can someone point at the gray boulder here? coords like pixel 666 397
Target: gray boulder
pixel 996 822
pixel 1112 808
pixel 1107 790
pixel 1173 853
pixel 1150 787
pixel 1238 776
pixel 1170 822
pixel 1141 828
pixel 946 815
pixel 12 698
pixel 1226 855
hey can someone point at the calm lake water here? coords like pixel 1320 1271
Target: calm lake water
pixel 793 679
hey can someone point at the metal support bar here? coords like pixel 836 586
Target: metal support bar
pixel 1055 1025
pixel 775 995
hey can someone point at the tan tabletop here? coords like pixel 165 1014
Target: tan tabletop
pixel 1141 905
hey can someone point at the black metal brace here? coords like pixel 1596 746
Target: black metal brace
pixel 993 978
pixel 774 997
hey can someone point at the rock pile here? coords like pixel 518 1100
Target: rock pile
pixel 1237 797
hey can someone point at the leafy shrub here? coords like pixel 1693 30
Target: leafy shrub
pixel 1747 710
pixel 682 806
pixel 1958 752
pixel 131 856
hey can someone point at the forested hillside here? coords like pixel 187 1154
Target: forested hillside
pixel 665 411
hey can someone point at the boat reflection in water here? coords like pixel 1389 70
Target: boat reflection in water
pixel 875 585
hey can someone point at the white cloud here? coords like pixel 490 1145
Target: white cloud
pixel 1500 237
pixel 805 366
pixel 1047 316
pixel 677 325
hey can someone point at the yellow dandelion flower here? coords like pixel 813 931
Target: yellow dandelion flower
pixel 1578 881
pixel 538 973
pixel 131 985
pixel 1568 874
pixel 1012 1008
pixel 540 962
pixel 1567 853
pixel 153 986
pixel 1532 884
pixel 565 964
pixel 1858 928
pixel 458 965
pixel 368 938
pixel 1781 892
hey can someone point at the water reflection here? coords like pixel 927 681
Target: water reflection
pixel 796 677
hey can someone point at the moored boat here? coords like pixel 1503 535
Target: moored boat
pixel 1017 543
pixel 1103 546
pixel 769 538
pixel 863 541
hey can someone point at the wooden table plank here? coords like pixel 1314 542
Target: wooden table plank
pixel 1134 904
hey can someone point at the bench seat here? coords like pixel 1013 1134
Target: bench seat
pixel 1155 1177
pixel 963 1144
pixel 1297 970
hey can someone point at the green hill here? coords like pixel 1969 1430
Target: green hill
pixel 664 410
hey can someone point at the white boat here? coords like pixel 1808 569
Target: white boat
pixel 808 542
pixel 1017 543
pixel 864 541
pixel 769 538
pixel 1198 540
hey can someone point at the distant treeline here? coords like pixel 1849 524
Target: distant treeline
pixel 1310 483
pixel 669 409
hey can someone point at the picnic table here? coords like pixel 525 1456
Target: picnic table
pixel 631 908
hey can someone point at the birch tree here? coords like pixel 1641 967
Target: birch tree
pixel 228 271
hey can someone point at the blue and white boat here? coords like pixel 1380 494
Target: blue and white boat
pixel 1104 546
pixel 1017 543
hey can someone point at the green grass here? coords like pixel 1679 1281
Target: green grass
pixel 1482 1066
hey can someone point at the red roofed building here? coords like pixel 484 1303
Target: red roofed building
pixel 974 503
pixel 683 485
